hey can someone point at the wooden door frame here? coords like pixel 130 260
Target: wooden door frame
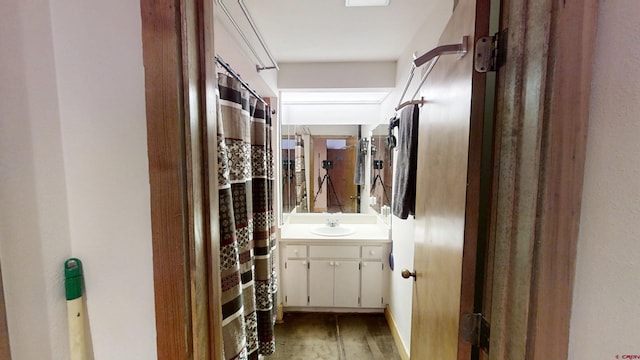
pixel 178 55
pixel 5 349
pixel 542 110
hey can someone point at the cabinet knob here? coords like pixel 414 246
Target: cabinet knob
pixel 337 263
pixel 371 252
pixel 304 262
pixel 330 263
pixel 407 274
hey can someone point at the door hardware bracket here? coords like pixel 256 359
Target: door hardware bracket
pixel 475 329
pixel 490 52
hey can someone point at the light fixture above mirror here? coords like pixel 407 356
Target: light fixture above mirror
pixel 350 3
pixel 333 97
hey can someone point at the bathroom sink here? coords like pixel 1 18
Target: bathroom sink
pixel 325 230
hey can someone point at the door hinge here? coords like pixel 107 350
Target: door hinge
pixel 491 52
pixel 475 329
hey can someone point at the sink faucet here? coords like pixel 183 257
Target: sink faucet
pixel 333 222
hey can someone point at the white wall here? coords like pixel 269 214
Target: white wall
pixel 34 228
pixel 607 291
pixel 75 175
pixel 98 53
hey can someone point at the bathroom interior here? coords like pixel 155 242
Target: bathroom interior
pixel 78 147
pixel 333 87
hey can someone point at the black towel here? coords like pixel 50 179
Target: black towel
pixel 404 181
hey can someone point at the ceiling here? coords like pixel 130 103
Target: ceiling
pixel 326 31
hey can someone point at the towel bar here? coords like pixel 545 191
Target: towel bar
pixel 431 57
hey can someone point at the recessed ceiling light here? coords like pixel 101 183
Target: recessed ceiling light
pixel 366 2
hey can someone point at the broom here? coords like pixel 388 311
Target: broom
pixel 73 281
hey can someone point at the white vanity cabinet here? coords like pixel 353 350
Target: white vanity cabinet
pixel 346 283
pixel 373 269
pixel 318 276
pixel 334 283
pixel 294 275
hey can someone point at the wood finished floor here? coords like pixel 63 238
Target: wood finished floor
pixel 320 336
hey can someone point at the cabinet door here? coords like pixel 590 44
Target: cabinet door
pixel 372 284
pixel 295 282
pixel 321 282
pixel 346 283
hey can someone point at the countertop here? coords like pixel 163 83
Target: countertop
pixel 363 232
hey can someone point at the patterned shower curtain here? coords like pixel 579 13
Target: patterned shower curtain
pixel 247 229
pixel 301 180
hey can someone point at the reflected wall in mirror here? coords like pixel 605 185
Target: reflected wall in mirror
pixel 381 169
pixel 332 170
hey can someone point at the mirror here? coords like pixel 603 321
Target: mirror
pixel 288 169
pixel 318 168
pixel 332 168
pixel 381 169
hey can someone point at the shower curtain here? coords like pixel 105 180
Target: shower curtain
pixel 301 179
pixel 247 229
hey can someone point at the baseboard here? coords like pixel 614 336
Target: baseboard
pixel 336 310
pixel 402 348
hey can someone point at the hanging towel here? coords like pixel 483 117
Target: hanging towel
pixel 358 178
pixel 404 181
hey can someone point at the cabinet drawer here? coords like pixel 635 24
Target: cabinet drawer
pixel 342 252
pixel 372 252
pixel 295 251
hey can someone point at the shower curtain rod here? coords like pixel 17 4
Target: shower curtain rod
pixel 430 57
pixel 237 76
pixel 247 15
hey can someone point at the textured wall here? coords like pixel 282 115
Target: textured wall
pixel 607 290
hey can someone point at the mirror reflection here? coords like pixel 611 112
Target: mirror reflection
pixel 294 179
pixel 319 166
pixel 381 169
pixel 332 170
pixel 288 173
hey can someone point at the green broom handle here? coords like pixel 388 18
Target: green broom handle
pixel 73 280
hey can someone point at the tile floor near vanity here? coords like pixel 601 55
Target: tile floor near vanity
pixel 322 336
